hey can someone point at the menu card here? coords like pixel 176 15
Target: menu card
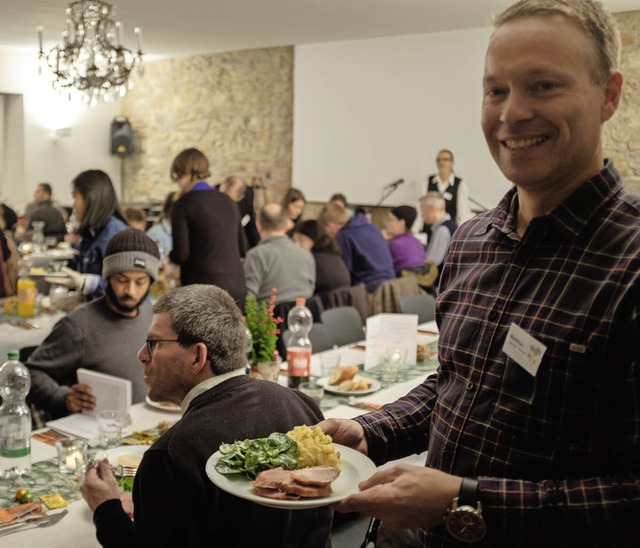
pixel 112 394
pixel 385 330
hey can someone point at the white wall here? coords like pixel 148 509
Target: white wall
pixel 45 158
pixel 369 112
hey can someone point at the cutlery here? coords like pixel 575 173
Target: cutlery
pixel 46 521
pixel 427 332
pixel 354 402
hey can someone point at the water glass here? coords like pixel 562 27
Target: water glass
pixel 72 454
pixel 313 390
pixel 328 362
pixel 110 426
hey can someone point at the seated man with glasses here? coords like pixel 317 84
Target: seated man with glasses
pixel 103 335
pixel 194 355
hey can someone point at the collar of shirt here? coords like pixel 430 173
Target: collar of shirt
pixel 435 225
pixel 443 184
pixel 202 186
pixel 206 385
pixel 570 216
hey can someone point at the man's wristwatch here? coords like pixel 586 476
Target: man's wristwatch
pixel 463 519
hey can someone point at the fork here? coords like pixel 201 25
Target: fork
pixel 46 521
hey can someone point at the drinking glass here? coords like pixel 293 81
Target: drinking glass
pixel 313 390
pixel 110 426
pixel 328 362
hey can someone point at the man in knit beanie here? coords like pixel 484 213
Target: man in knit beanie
pixel 103 336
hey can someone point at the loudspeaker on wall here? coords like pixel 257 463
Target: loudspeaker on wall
pixel 120 136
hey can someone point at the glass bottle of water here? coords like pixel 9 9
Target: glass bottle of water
pixel 299 322
pixel 15 418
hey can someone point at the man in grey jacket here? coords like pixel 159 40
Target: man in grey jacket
pixel 103 335
pixel 278 262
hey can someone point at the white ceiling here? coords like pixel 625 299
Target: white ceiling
pixel 177 28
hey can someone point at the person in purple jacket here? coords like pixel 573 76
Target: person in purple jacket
pixel 406 250
pixel 363 247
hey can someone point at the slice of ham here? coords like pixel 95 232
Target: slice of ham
pixel 7 515
pixel 314 482
pixel 274 493
pixel 270 478
pixel 316 475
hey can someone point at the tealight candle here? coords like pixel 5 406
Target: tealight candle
pixel 71 453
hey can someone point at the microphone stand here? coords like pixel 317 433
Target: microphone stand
pixel 387 192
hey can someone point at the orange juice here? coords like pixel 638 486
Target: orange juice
pixel 27 292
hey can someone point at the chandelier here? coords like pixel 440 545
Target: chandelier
pixel 91 61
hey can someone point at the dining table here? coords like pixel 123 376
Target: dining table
pixel 76 527
pixel 17 332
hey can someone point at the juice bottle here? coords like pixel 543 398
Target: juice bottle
pixel 27 293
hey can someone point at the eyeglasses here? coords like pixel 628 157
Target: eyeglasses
pixel 151 343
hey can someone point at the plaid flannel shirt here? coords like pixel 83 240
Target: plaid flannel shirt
pixel 557 454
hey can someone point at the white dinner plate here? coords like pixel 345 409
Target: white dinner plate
pixel 333 389
pixel 354 468
pixel 164 406
pixel 37 274
pixel 113 454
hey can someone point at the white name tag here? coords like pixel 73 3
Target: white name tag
pixel 522 348
pixel 447 195
pixel 245 219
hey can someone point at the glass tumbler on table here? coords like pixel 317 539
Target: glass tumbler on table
pixel 110 426
pixel 312 389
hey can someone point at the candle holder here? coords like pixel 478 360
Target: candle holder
pixel 72 453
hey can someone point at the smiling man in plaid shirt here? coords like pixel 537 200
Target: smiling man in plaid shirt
pixel 532 424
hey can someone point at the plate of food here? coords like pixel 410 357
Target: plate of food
pixel 345 380
pixel 334 474
pixel 163 405
pixel 41 272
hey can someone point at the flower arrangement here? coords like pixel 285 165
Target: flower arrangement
pixel 263 326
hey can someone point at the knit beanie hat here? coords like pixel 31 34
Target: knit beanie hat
pixel 405 213
pixel 131 249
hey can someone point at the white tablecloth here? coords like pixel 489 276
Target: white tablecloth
pixel 15 338
pixel 77 528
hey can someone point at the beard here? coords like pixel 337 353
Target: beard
pixel 127 308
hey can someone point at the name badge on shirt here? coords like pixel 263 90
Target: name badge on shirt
pixel 245 220
pixel 525 350
pixel 447 195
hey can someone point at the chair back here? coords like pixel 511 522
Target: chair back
pixel 343 324
pixel 319 336
pixel 422 305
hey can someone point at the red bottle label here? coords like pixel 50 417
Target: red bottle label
pixel 299 362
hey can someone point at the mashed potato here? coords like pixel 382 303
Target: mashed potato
pixel 315 448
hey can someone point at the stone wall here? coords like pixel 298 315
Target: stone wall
pixel 622 132
pixel 236 107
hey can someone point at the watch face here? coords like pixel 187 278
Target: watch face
pixel 466 524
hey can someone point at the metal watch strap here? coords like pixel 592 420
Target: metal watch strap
pixel 468 494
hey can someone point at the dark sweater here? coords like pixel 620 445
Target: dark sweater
pixel 331 272
pixel 175 502
pixel 208 241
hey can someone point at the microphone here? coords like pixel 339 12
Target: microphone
pixel 395 184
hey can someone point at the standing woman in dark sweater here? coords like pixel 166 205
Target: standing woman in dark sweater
pixel 208 240
pixel 331 272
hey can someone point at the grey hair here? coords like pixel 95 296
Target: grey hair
pixel 434 199
pixel 598 23
pixel 208 314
